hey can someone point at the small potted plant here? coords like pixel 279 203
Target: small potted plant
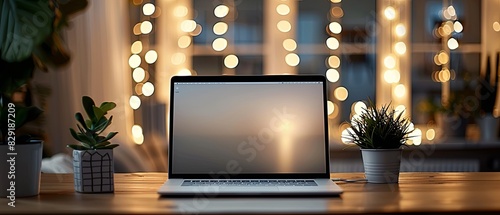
pixel 380 133
pixel 93 157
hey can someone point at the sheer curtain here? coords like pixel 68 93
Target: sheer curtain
pixel 98 40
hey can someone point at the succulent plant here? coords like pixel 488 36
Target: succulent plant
pixel 382 128
pixel 90 130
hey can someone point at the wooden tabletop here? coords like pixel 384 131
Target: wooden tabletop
pixel 472 193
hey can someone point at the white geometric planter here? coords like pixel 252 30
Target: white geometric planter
pixel 94 171
pixel 382 165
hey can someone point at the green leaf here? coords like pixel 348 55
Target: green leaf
pixel 107 106
pixel 74 134
pixel 98 113
pixel 111 146
pixel 79 118
pixel 88 105
pixel 23 26
pixel 110 135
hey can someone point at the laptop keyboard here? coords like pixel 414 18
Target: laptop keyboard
pixel 249 182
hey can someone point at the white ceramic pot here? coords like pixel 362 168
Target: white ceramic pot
pixel 382 165
pixel 20 170
pixel 93 171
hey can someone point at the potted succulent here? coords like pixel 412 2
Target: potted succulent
pixel 93 157
pixel 380 133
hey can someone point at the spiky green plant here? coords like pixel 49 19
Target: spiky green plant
pixel 90 130
pixel 379 128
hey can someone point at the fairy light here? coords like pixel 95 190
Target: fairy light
pixel 143 59
pixel 333 61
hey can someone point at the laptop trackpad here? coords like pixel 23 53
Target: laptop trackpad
pixel 249 189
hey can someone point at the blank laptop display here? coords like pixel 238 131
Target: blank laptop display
pixel 247 127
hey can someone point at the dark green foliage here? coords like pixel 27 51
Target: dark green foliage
pixel 90 130
pixel 379 128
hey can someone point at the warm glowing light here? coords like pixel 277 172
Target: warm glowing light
pixel 447 28
pixel 151 56
pixel 359 107
pixel 197 30
pixel 390 13
pixel 292 59
pixel 341 93
pixel 139 140
pixel 148 89
pixel 451 11
pixel 135 102
pixel 283 9
pixel 430 134
pixel 184 41
pixel 178 58
pixel 392 76
pixel 496 26
pixel 180 11
pixel 332 75
pixel 188 25
pixel 134 61
pixel 446 14
pixel 400 30
pixel 148 9
pixel 458 27
pixel 220 28
pixel 330 107
pixel 337 12
pixel 139 74
pixel 444 75
pixel 284 26
pixel 416 136
pixel 138 89
pixel 136 130
pixel 402 109
pixel 136 47
pixel 400 48
pixel 289 45
pixel 221 11
pixel 443 57
pixel 390 62
pixel 146 27
pixel 345 136
pixel 219 44
pixel 137 29
pixel 452 43
pixel 332 43
pixel 334 61
pixel 400 90
pixel 336 1
pixel 184 72
pixel 231 61
pixel 137 134
pixel 335 27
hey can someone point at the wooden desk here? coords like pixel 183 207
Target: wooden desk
pixel 136 193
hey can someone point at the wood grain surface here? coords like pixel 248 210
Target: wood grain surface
pixel 135 193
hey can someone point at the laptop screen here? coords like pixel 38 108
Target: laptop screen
pixel 240 126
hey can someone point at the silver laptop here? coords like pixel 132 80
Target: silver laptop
pixel 248 135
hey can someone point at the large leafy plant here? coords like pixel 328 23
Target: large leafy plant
pixel 90 130
pixel 29 38
pixel 382 128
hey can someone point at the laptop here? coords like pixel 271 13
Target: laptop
pixel 248 135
